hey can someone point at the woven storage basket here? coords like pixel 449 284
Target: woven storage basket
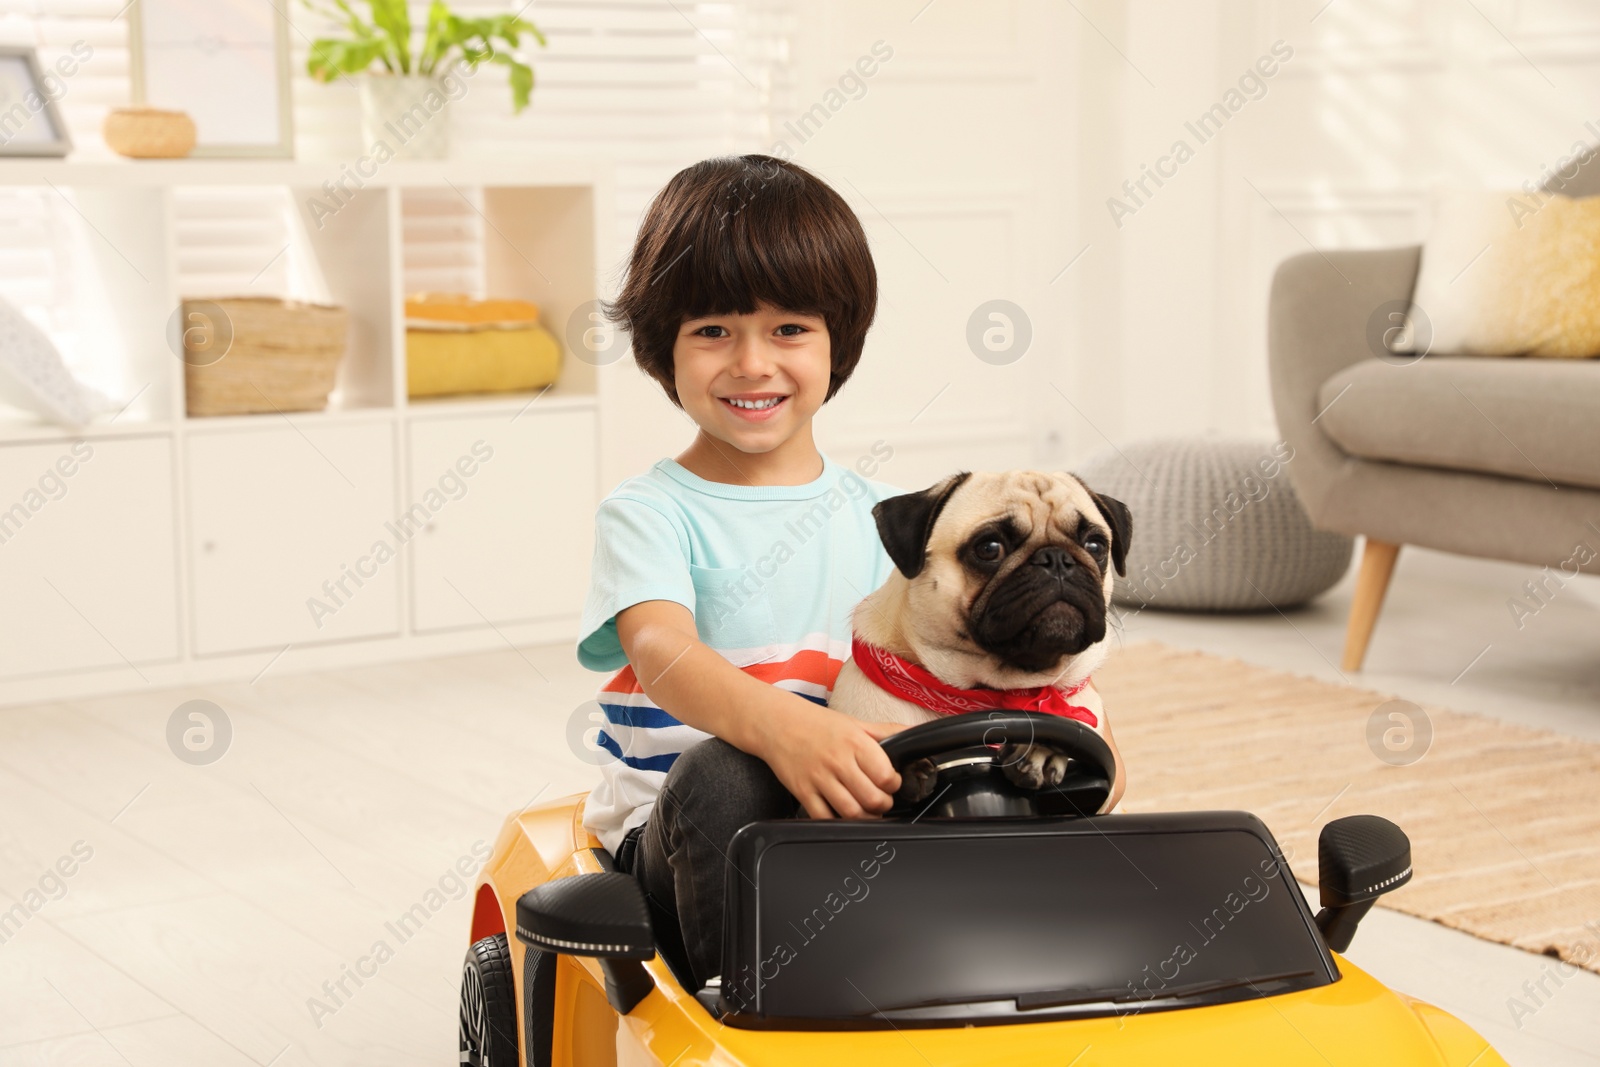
pixel 284 356
pixel 148 133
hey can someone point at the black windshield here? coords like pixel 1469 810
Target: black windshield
pixel 1006 919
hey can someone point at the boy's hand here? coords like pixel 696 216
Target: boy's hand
pixel 831 762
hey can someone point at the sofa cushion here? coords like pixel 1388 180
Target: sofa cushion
pixel 1538 420
pixel 1503 274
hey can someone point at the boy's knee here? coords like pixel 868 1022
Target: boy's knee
pixel 716 771
pixel 712 759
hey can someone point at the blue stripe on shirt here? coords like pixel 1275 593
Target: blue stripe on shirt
pixel 638 716
pixel 662 763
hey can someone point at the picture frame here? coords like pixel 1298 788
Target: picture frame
pixel 30 122
pixel 224 63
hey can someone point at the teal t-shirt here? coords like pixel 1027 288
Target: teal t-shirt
pixel 771 574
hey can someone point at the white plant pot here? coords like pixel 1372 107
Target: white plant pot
pixel 409 113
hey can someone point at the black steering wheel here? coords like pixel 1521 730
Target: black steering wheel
pixel 966 757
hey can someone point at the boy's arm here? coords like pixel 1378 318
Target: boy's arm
pixel 829 761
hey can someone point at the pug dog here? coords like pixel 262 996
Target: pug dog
pixel 1002 581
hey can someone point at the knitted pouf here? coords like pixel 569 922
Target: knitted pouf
pixel 1216 526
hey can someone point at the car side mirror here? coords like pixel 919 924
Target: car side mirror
pixel 1359 858
pixel 601 915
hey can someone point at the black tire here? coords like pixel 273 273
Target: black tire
pixel 539 1004
pixel 488 1005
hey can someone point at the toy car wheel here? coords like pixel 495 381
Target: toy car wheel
pixel 488 1005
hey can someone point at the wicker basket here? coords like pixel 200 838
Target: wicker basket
pixel 148 133
pixel 284 356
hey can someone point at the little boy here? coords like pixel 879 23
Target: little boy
pixel 723 580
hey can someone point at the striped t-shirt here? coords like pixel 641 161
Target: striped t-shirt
pixel 771 573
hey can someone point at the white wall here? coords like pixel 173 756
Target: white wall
pixel 957 157
pixel 1380 100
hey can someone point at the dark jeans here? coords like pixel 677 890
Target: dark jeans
pixel 680 854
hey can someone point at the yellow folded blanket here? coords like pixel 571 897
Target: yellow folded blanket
pixel 455 344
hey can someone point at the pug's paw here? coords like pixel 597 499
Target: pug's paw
pixel 1034 766
pixel 916 782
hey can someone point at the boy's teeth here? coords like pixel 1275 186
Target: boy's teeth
pixel 755 405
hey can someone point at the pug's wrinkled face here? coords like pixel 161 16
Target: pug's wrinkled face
pixel 1010 573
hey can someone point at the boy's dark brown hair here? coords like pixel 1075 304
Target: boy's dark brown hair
pixel 729 233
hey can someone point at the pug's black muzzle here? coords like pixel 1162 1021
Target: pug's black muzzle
pixel 1050 607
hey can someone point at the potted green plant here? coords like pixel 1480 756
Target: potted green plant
pixel 405 93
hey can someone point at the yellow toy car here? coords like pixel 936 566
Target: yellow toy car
pixel 990 925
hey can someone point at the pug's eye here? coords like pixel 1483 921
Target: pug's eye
pixel 1096 546
pixel 990 549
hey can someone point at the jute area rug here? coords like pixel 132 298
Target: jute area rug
pixel 1504 821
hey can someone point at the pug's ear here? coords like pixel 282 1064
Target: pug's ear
pixel 1120 519
pixel 905 522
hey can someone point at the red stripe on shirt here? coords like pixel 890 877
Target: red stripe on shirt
pixel 807 665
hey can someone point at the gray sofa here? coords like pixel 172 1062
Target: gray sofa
pixel 1496 458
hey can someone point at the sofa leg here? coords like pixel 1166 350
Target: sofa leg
pixel 1372 582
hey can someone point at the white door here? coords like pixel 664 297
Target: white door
pixel 87 571
pixel 511 537
pixel 291 535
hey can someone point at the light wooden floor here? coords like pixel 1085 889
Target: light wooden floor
pixel 219 899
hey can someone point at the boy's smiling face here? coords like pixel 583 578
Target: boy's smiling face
pixel 753 380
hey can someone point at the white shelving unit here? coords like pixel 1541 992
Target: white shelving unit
pixel 187 550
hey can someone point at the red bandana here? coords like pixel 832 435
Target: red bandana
pixel 910 682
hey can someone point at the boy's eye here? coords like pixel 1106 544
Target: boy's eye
pixel 791 326
pixel 712 331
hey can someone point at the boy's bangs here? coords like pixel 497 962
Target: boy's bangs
pixel 729 270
